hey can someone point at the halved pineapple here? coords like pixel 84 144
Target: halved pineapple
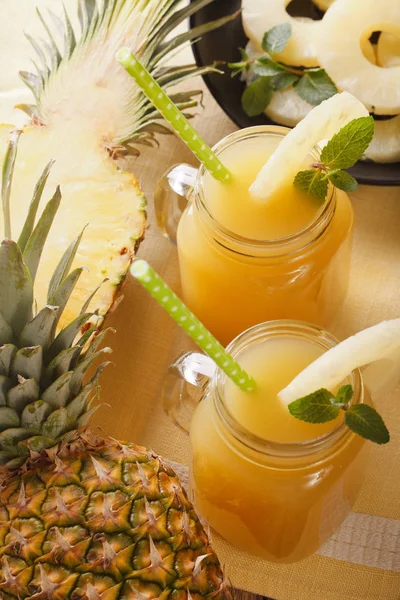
pixel 95 193
pixel 388 50
pixel 88 111
pixel 341 55
pixel 260 16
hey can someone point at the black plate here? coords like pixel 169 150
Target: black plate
pixel 223 45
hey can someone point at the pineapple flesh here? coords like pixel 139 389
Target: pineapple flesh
pixel 85 112
pixel 82 516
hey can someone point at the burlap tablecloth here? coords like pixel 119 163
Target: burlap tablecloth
pixel 147 340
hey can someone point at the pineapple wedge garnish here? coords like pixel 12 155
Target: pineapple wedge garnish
pixel 322 123
pixel 87 112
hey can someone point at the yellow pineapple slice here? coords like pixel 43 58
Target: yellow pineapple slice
pixel 320 124
pixel 388 50
pixel 341 55
pixel 287 108
pixel 259 16
pixel 385 145
pixel 377 346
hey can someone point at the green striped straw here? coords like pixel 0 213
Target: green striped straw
pixel 153 283
pixel 173 115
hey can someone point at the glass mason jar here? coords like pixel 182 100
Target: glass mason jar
pixel 303 276
pixel 279 501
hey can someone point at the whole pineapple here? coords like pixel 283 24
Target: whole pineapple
pixel 81 516
pixel 85 112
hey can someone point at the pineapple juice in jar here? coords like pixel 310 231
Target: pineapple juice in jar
pixel 270 484
pixel 287 258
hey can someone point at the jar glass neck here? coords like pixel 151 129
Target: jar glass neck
pixel 280 247
pixel 259 445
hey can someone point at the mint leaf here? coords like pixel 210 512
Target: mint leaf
pixel 349 144
pixel 345 394
pixel 284 80
pixel 276 39
pixel 313 183
pixel 315 86
pixel 343 180
pixel 265 67
pixel 315 408
pixel 366 422
pixel 257 96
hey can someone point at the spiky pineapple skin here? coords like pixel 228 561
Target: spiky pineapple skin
pixel 100 519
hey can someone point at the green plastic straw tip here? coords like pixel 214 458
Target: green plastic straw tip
pixel 153 283
pixel 173 115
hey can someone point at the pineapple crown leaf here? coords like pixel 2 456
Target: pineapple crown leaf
pixel 32 211
pixel 40 329
pixel 165 47
pixel 181 15
pixel 88 54
pixel 42 371
pixel 16 291
pixel 7 174
pixel 34 246
pixel 64 266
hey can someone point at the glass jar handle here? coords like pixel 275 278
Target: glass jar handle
pixel 185 386
pixel 171 197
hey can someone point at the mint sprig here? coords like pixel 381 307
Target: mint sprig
pixel 322 406
pixel 341 152
pixel 312 85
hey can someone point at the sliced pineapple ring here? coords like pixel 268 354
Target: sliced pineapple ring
pixel 260 16
pixel 287 108
pixel 95 193
pixel 321 123
pixel 379 344
pixel 385 145
pixel 388 50
pixel 341 55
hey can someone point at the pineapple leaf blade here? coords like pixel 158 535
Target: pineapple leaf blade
pixel 180 15
pixel 63 267
pixel 6 332
pixel 7 175
pixel 67 335
pixel 33 207
pixel 64 291
pixel 16 289
pixel 195 33
pixel 34 246
pixel 40 329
